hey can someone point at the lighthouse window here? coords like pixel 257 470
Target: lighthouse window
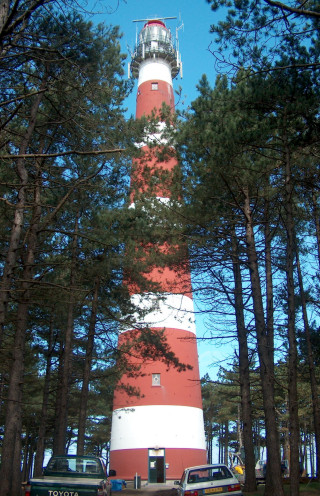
pixel 154 45
pixel 154 86
pixel 156 379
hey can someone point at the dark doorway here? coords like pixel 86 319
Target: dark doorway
pixel 156 469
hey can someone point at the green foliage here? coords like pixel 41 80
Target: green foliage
pixel 234 147
pixel 71 157
pixel 266 35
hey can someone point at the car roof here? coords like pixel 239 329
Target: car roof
pixel 210 465
pixel 91 457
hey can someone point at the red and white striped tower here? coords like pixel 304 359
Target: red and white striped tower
pixel 159 433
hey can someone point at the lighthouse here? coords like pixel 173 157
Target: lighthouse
pixel 159 432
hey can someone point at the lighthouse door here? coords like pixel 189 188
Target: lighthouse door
pixel 156 466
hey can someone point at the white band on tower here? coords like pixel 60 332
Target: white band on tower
pixel 171 426
pixel 153 69
pixel 164 310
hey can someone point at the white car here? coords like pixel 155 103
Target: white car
pixel 208 479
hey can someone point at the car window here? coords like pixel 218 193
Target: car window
pixel 209 474
pixel 81 465
pixel 58 465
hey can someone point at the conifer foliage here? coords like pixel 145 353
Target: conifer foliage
pixel 249 152
pixel 64 173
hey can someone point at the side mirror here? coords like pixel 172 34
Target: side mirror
pixel 176 483
pixel 112 473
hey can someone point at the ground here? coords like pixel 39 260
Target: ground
pixel 148 491
pixel 157 490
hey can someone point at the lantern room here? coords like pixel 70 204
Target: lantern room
pixel 155 42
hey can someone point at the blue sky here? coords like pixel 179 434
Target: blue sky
pixel 194 18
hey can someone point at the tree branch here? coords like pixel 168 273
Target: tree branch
pixel 292 10
pixel 62 154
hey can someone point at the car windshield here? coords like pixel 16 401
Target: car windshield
pixel 209 474
pixel 83 465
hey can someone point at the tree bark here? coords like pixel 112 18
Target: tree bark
pixel 269 286
pixel 293 356
pixel 10 473
pixel 18 221
pixel 60 436
pixel 311 365
pixel 315 214
pixel 226 442
pixel 87 370
pixel 12 23
pixel 273 480
pixel 38 462
pixel 244 372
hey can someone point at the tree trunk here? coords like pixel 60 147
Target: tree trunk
pixel 316 222
pixel 19 212
pixel 293 357
pixel 4 14
pixel 11 451
pixel 209 445
pixel 38 462
pixel 244 372
pixel 63 390
pixel 87 370
pixel 30 460
pixel 220 444
pixel 57 405
pixel 285 430
pixel 226 442
pixel 312 372
pixel 269 286
pixel 273 480
pixel 311 455
pixel 27 456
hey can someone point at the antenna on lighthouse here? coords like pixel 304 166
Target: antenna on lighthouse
pixel 179 62
pixel 154 19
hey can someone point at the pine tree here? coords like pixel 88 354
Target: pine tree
pixel 76 73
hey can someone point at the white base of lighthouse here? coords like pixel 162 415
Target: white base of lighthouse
pixel 144 436
pixel 147 426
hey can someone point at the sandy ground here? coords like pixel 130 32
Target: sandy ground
pixel 169 490
pixel 146 489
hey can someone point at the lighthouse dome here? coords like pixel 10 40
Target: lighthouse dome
pixel 156 32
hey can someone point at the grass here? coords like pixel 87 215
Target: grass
pixel 309 489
